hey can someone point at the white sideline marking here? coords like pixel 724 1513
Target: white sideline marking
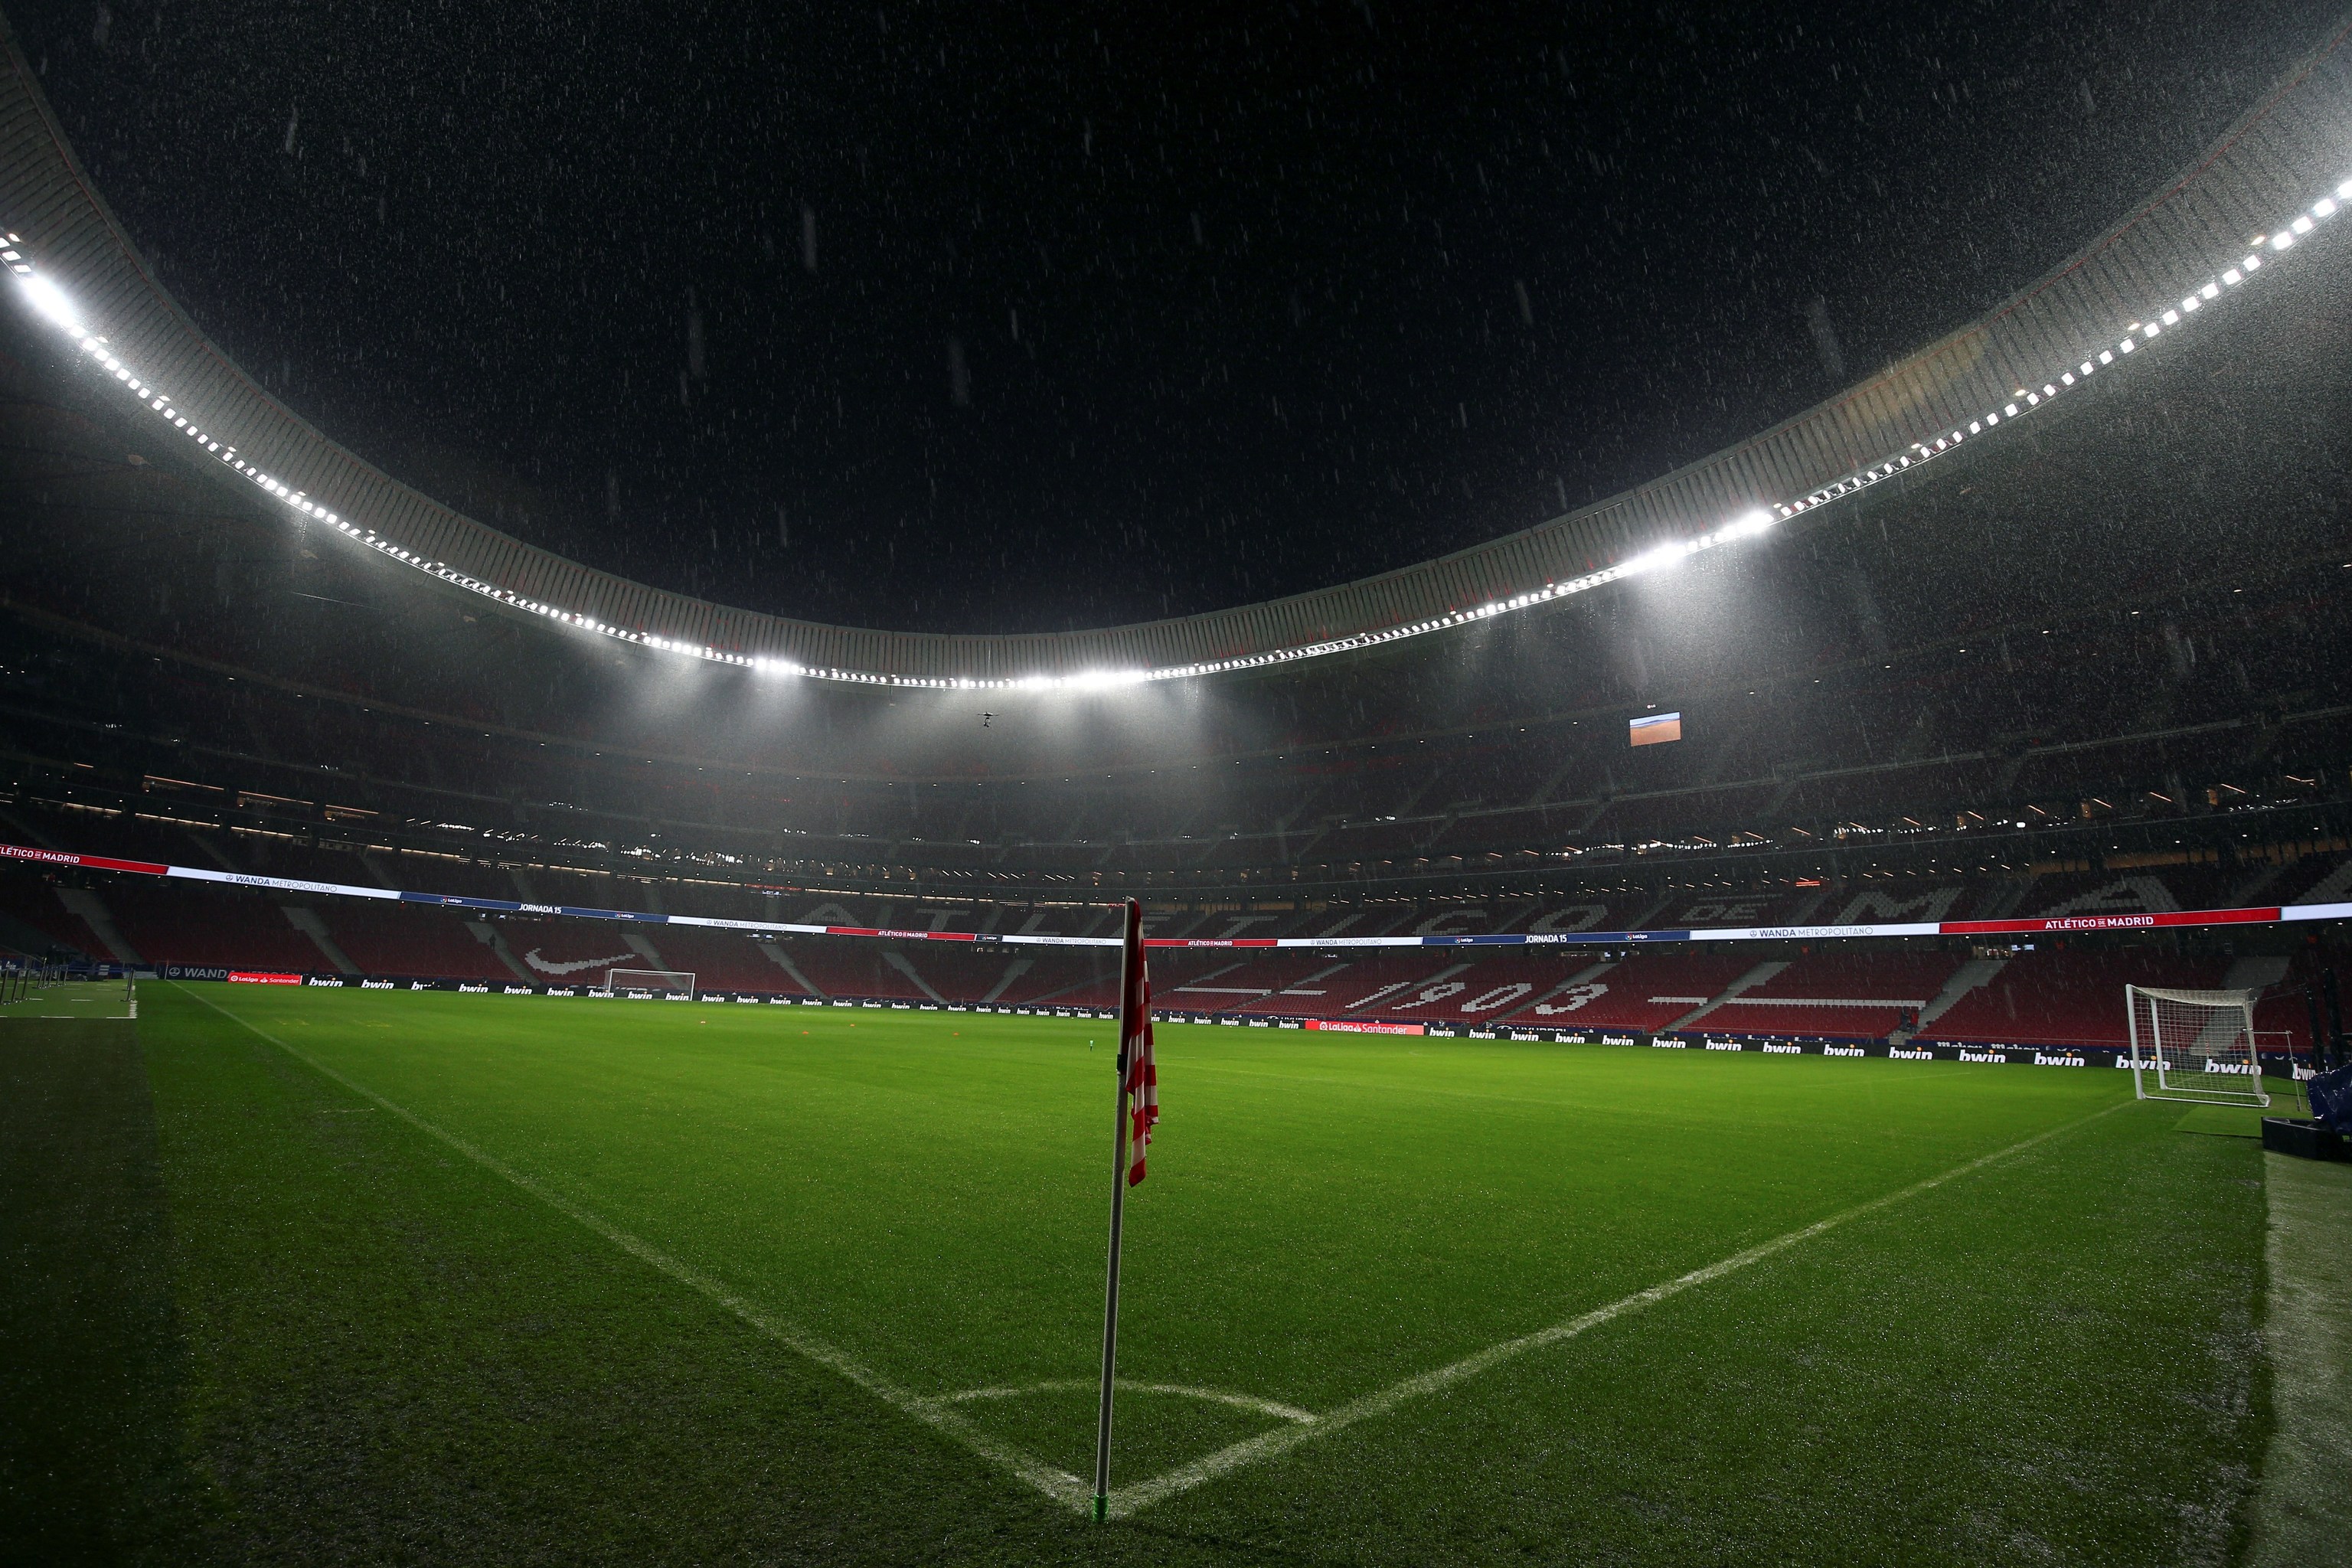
pixel 1059 1485
pixel 1129 1499
pixel 1092 1385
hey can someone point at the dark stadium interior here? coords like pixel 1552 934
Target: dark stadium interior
pixel 2093 669
pixel 2115 632
pixel 643 652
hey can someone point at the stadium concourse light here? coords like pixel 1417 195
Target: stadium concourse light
pixel 56 305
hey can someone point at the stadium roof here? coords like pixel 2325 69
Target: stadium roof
pixel 2200 241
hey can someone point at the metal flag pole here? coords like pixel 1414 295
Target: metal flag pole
pixel 1130 995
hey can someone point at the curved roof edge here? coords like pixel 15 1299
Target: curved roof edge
pixel 2272 177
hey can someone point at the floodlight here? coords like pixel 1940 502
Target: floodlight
pixel 1670 553
pixel 1104 679
pixel 51 301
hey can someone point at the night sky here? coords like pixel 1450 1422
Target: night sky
pixel 984 318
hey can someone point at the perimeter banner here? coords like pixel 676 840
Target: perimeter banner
pixel 2267 915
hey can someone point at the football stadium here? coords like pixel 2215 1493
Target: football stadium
pixel 653 669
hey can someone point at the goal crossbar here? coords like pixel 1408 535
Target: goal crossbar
pixel 2196 1046
pixel 674 981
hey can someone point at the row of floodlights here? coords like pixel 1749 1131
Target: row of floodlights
pixel 52 303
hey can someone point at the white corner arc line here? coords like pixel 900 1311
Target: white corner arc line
pixel 1130 1499
pixel 1059 1485
pixel 1273 1407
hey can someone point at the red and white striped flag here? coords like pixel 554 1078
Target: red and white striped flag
pixel 1135 1045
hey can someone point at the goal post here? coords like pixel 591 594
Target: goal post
pixel 2195 1046
pixel 654 982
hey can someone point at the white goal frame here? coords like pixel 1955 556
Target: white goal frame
pixel 2196 1046
pixel 621 981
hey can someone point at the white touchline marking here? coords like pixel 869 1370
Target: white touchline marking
pixel 1059 1485
pixel 1092 1385
pixel 1130 1499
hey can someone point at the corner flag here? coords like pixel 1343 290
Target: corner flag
pixel 1142 1086
pixel 1137 1107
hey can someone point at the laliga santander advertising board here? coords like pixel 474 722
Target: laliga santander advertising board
pixel 2272 914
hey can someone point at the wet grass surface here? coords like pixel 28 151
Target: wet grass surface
pixel 367 1346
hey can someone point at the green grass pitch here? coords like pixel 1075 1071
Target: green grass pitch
pixel 466 1279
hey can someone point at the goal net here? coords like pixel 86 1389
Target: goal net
pixel 2194 1045
pixel 650 983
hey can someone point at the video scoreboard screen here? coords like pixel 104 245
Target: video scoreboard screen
pixel 1655 729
